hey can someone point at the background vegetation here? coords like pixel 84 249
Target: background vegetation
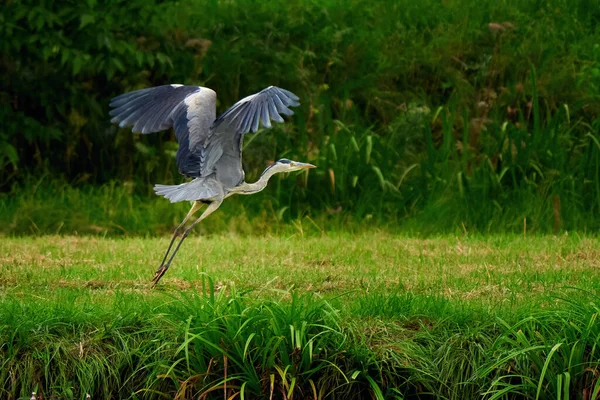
pixel 455 115
pixel 427 117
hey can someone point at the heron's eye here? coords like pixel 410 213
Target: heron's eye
pixel 292 164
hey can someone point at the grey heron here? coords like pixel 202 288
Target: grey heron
pixel 210 148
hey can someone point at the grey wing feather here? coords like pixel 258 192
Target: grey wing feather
pixel 149 110
pixel 190 110
pixel 273 111
pixel 223 147
pixel 244 112
pixel 264 115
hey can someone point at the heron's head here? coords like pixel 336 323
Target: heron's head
pixel 285 165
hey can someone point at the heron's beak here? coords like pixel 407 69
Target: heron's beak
pixel 304 165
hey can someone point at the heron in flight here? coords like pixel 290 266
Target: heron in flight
pixel 210 148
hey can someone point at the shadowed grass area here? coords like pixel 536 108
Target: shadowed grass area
pixel 344 316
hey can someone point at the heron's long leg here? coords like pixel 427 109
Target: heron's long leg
pixel 163 268
pixel 195 207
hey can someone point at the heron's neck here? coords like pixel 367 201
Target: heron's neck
pixel 260 184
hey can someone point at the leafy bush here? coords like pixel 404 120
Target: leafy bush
pixel 472 115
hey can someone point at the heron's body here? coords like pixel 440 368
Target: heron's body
pixel 210 148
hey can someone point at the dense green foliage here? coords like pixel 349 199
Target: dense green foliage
pixel 341 317
pixel 475 115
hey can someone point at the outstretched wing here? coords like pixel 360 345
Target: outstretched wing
pixel 190 110
pixel 223 147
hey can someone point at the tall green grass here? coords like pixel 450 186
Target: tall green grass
pixel 512 180
pixel 196 344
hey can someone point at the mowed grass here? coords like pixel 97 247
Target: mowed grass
pixel 502 269
pixel 371 315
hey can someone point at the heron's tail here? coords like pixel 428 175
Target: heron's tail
pixel 198 189
pixel 174 193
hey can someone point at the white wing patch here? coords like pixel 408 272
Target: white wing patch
pixel 201 113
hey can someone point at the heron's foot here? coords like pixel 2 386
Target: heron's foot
pixel 159 274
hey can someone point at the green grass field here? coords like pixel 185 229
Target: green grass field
pixel 372 315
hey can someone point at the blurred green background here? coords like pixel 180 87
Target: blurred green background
pixel 427 116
